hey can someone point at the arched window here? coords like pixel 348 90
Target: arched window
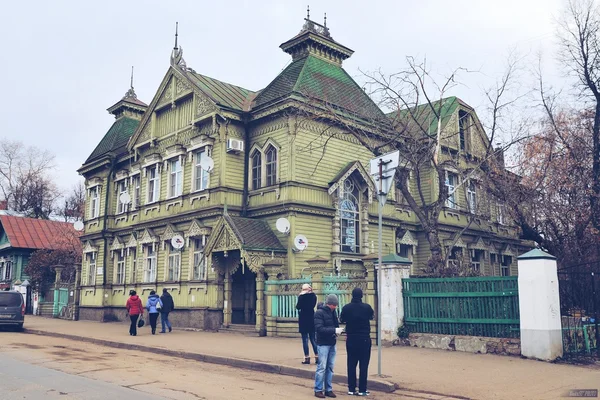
pixel 350 217
pixel 256 170
pixel 271 165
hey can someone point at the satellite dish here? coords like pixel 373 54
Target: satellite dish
pixel 78 225
pixel 177 242
pixel 300 242
pixel 125 198
pixel 283 225
pixel 207 163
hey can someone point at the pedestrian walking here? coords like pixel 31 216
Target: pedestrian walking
pixel 167 306
pixel 356 316
pixel 135 309
pixel 327 327
pixel 306 321
pixel 154 305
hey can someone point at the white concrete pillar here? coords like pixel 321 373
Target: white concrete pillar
pixel 539 306
pixel 394 269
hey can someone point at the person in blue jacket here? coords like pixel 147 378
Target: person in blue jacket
pixel 154 305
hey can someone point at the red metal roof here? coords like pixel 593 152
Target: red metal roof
pixel 31 233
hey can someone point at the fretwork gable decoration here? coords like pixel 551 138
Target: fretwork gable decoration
pixel 357 166
pixel 203 104
pixel 88 248
pixel 132 242
pixel 169 233
pixel 116 244
pixel 148 237
pixel 167 95
pixel 479 245
pixel 223 238
pixel 508 251
pixel 459 243
pixel 197 229
pixel 182 87
pixel 409 239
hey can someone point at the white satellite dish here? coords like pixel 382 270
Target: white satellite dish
pixel 78 225
pixel 283 225
pixel 207 163
pixel 125 198
pixel 300 242
pixel 177 242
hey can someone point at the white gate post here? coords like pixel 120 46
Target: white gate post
pixel 394 269
pixel 539 306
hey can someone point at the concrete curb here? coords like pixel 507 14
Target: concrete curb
pixel 373 384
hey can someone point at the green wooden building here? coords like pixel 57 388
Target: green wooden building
pixel 149 185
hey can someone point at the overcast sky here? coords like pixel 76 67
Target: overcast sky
pixel 64 62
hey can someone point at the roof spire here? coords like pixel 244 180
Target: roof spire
pixel 176 34
pixel 308 12
pixel 131 83
pixel 130 94
pixel 325 21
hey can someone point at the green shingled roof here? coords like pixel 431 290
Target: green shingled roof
pixel 116 138
pixel 224 94
pixel 313 77
pixel 425 116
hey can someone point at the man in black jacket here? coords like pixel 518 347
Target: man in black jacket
pixel 168 306
pixel 327 328
pixel 356 316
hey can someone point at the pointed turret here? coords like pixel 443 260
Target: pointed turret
pixel 129 106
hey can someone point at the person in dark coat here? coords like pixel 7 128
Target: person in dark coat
pixel 167 306
pixel 306 321
pixel 327 328
pixel 134 310
pixel 356 316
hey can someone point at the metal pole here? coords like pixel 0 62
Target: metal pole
pixel 595 305
pixel 380 229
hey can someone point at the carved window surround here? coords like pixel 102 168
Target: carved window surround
pixel 200 195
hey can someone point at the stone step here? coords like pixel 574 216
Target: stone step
pixel 241 329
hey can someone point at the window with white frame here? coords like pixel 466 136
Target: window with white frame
pixel 8 266
pixel 271 165
pixel 94 196
pixel 506 261
pixel 256 161
pixel 122 189
pixel 136 189
pixel 404 250
pixel 451 181
pixel 201 176
pixel 464 122
pixel 454 257
pixel 350 217
pixel 133 257
pixel 476 259
pixel 175 178
pixel 91 270
pixel 120 273
pixel 153 183
pixel 174 264
pixel 199 261
pixel 500 211
pixel 472 196
pixel 150 263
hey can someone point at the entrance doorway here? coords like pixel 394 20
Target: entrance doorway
pixel 243 296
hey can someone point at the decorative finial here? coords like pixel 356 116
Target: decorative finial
pixel 325 21
pixel 308 12
pixel 131 83
pixel 176 34
pixel 130 94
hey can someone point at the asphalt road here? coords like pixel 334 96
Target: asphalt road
pixel 40 367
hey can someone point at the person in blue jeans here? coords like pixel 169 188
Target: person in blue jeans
pixel 327 327
pixel 167 306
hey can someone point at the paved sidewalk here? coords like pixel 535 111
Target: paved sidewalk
pixel 473 376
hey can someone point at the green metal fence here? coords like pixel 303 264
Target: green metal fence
pixel 481 306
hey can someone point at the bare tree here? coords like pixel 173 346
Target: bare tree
pixel 25 185
pixel 72 208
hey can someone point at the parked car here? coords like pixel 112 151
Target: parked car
pixel 12 310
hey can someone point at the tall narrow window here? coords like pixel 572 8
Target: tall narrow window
pixel 476 259
pixel 135 184
pixel 199 270
pixel 1 270
pixel 256 170
pixel 505 265
pixel 271 166
pixel 91 275
pixel 150 267
pixel 454 257
pixel 153 181
pixel 472 196
pixel 8 271
pixel 174 264
pixel 404 250
pixel 201 175
pixel 463 128
pixel 120 276
pixel 350 218
pixel 176 178
pixel 500 213
pixel 133 255
pixel 94 202
pixel 451 180
pixel 121 206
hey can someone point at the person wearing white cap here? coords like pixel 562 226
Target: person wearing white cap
pixel 307 301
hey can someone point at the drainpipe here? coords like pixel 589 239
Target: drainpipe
pixel 104 227
pixel 246 161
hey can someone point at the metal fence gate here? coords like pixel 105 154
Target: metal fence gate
pixel 579 288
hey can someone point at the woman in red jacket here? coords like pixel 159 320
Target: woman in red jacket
pixel 134 309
